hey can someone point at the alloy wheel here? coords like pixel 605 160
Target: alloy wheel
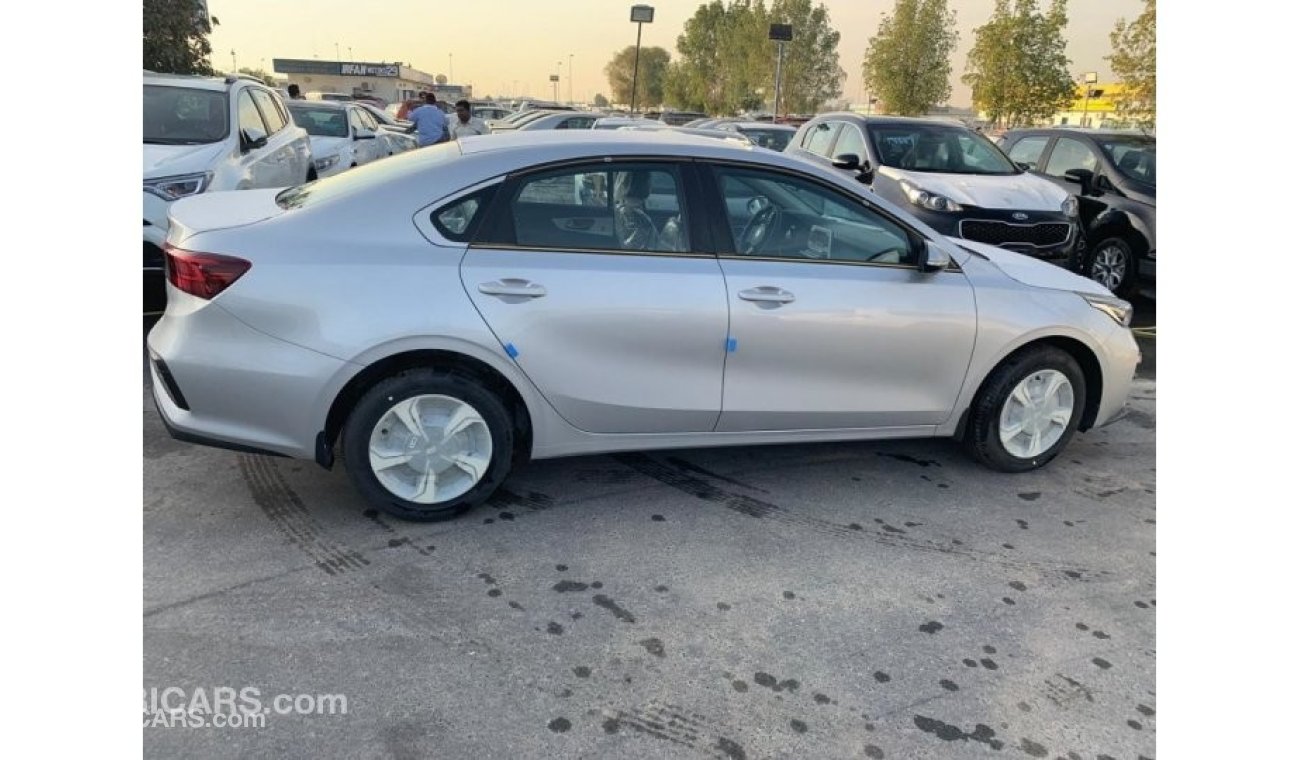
pixel 1036 414
pixel 430 448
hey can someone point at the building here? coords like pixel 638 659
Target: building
pixel 390 82
pixel 1097 109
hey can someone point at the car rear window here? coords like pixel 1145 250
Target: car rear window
pixel 321 122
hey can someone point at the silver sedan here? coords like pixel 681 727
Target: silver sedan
pixel 446 314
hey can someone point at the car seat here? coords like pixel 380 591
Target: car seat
pixel 633 227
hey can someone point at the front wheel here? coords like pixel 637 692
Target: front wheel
pixel 1027 410
pixel 1110 262
pixel 427 445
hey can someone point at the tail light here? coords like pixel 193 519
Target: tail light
pixel 202 274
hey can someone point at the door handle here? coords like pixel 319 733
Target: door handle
pixel 512 287
pixel 580 225
pixel 766 294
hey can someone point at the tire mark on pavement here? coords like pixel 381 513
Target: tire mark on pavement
pixel 290 516
pixel 686 482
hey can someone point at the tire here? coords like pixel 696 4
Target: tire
pixel 311 174
pixel 399 490
pixel 984 438
pixel 1111 263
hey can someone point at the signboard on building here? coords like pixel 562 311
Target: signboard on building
pixel 338 68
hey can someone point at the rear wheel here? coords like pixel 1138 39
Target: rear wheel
pixel 1027 410
pixel 427 444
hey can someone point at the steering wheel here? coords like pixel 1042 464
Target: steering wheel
pixel 760 229
pixel 634 228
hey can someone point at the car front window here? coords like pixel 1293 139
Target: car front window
pixel 184 115
pixel 938 148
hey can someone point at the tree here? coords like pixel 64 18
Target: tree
pixel 1017 69
pixel 727 64
pixel 176 37
pixel 268 79
pixel 650 80
pixel 600 101
pixel 1133 59
pixel 811 73
pixel 908 62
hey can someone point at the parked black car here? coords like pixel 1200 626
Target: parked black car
pixel 949 176
pixel 1113 173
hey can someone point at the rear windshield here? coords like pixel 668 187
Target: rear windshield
pixel 938 148
pixel 321 122
pixel 367 177
pixel 775 139
pixel 1134 157
pixel 184 115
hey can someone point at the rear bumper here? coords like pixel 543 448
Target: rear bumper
pixel 239 388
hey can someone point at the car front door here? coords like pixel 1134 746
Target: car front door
pixel 832 323
pixel 260 168
pixel 595 279
pixel 1066 154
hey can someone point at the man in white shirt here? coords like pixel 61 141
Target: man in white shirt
pixel 464 124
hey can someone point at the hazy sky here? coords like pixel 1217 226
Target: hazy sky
pixel 495 44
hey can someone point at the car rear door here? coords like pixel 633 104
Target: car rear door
pixel 832 324
pixel 282 159
pixel 597 280
pixel 260 168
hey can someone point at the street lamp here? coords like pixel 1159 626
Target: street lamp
pixel 337 56
pixel 641 14
pixel 1089 80
pixel 570 78
pixel 234 64
pixel 782 33
pixel 451 76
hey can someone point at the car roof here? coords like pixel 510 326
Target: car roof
pixel 1078 131
pixel 762 125
pixel 327 104
pixel 937 121
pixel 216 84
pixel 544 146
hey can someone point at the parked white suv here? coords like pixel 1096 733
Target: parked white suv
pixel 203 134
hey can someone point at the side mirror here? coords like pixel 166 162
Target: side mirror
pixel 364 134
pixel 1083 177
pixel 1025 166
pixel 934 258
pixel 253 139
pixel 848 161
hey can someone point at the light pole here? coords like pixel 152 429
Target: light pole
pixel 451 76
pixel 234 64
pixel 350 52
pixel 1089 80
pixel 641 14
pixel 782 33
pixel 337 56
pixel 570 78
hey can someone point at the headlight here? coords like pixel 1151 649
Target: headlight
pixel 325 163
pixel 927 199
pixel 1116 308
pixel 1070 206
pixel 171 188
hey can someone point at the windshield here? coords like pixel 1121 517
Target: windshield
pixel 1134 157
pixel 184 115
pixel 938 148
pixel 775 139
pixel 321 122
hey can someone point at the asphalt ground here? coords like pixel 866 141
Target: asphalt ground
pixel 815 601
